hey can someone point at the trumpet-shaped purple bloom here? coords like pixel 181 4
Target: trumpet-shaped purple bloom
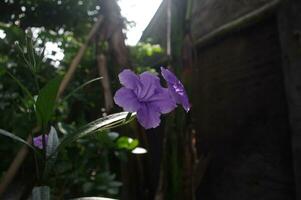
pixel 176 88
pixel 38 141
pixel 144 94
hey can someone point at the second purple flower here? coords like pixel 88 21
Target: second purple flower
pixel 38 141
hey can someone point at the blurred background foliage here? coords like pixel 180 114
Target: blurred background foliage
pixel 58 28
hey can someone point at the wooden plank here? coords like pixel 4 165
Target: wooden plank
pixel 156 29
pixel 289 20
pixel 209 15
pixel 239 23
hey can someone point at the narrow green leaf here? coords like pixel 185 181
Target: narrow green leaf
pixel 46 100
pixel 128 116
pixel 41 193
pixel 14 137
pixel 19 139
pixel 25 90
pixel 100 124
pixel 80 87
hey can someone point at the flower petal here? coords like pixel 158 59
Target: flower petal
pixel 126 99
pixel 176 89
pixel 129 79
pixel 178 92
pixel 183 100
pixel 168 76
pixel 38 141
pixel 148 116
pixel 163 101
pixel 150 83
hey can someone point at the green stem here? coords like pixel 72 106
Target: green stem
pixel 80 87
pixel 36 81
pixel 25 90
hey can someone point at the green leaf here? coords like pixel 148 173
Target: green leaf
pixel 127 143
pixel 14 137
pixel 80 87
pixel 100 124
pixel 41 193
pixel 46 101
pixel 128 116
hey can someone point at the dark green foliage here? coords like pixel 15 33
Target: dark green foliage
pixel 85 169
pixel 14 137
pixel 90 166
pixel 146 55
pixel 52 14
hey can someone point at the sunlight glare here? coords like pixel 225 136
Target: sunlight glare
pixel 139 150
pixel 54 52
pixel 2 34
pixel 140 12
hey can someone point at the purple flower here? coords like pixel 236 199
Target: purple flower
pixel 38 141
pixel 144 94
pixel 176 88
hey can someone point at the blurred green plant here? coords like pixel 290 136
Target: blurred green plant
pixel 146 56
pixel 42 106
pixel 26 31
pixel 67 29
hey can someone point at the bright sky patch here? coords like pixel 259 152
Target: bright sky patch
pixel 140 12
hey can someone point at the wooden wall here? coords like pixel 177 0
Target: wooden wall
pixel 208 15
pixel 241 116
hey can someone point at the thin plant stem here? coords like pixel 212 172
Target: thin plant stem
pixel 80 87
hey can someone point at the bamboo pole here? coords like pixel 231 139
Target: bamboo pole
pixel 76 60
pixel 105 81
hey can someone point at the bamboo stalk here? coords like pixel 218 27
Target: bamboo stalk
pixel 105 81
pixel 76 60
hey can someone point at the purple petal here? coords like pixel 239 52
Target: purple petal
pixel 129 79
pixel 176 89
pixel 181 98
pixel 150 83
pixel 168 76
pixel 163 101
pixel 178 92
pixel 148 116
pixel 38 141
pixel 126 99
